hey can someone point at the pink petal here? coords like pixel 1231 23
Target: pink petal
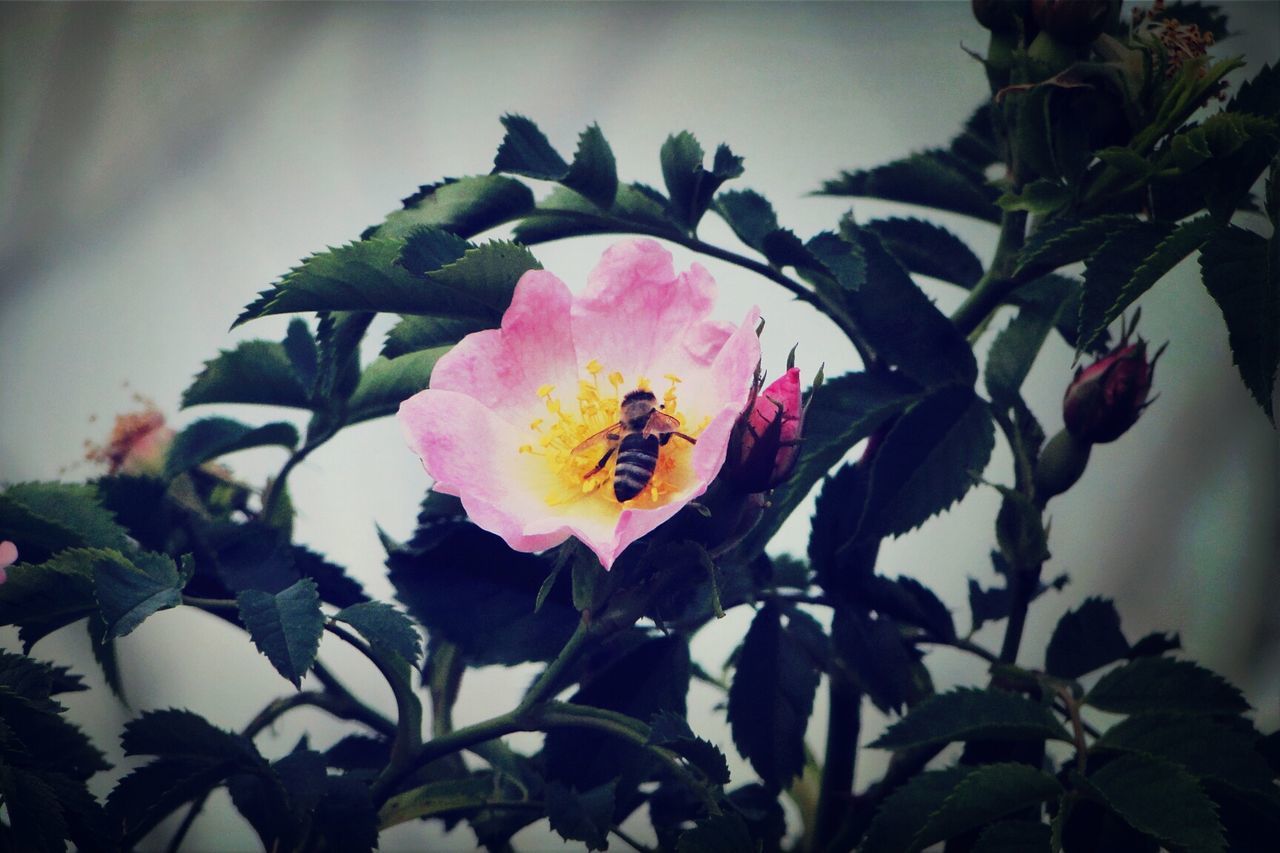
pixel 503 368
pixel 8 554
pixel 635 308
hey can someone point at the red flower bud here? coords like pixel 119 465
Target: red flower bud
pixel 766 441
pixel 1105 399
pixel 138 444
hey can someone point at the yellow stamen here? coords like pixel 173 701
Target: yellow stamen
pixel 545 390
pixel 594 367
pixel 615 379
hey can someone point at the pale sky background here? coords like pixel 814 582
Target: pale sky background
pixel 161 164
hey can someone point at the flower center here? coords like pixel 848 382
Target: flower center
pixel 579 475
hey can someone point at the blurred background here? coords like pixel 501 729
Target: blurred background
pixel 161 164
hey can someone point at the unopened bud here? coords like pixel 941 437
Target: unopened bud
pixel 1106 398
pixel 766 441
pixel 1062 461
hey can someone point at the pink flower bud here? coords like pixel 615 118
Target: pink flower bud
pixel 8 556
pixel 1105 399
pixel 138 444
pixel 766 442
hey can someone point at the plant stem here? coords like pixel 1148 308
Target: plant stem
pixel 628 840
pixel 964 645
pixel 844 723
pixel 276 487
pixel 357 711
pixel 211 603
pixel 999 280
pixel 546 681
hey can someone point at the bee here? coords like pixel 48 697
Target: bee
pixel 636 438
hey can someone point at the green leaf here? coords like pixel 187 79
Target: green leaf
pixel 1241 270
pixel 646 679
pixel 749 215
pixel 934 178
pixel 844 411
pixel 1013 352
pixel 874 653
pixel 435 798
pixel 346 816
pixel 43 598
pixel 174 733
pixel 928 461
pixel 213 437
pixel 253 372
pixel 988 793
pixel 966 714
pixel 1127 265
pixel 903 812
pixel 285 627
pixel 902 324
pixel 366 276
pixel 387 382
pixel 526 151
pixel 338 338
pixel 1153 684
pixel 928 249
pixel 724 833
pixel 130 591
pixel 41 518
pixel 838 259
pixel 415 333
pixel 1160 799
pixel 383 625
pixel 36 820
pixel 466 586
pixel 1086 639
pixel 1041 197
pixel 771 697
pixel 1206 748
pixel 466 206
pixel 427 249
pixel 1065 241
pixel 690 186
pixel 300 347
pixel 672 731
pixel 1014 836
pixel 564 213
pixel 582 816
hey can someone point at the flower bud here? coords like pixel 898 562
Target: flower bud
pixel 1075 22
pixel 766 439
pixel 138 444
pixel 1106 398
pixel 8 556
pixel 1061 463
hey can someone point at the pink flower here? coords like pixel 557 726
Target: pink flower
pixel 138 444
pixel 508 408
pixel 8 556
pixel 767 442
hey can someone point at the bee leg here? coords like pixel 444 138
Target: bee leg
pixel 687 438
pixel 599 465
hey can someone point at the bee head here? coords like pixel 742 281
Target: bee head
pixel 638 404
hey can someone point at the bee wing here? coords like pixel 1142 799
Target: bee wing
pixel 602 437
pixel 660 423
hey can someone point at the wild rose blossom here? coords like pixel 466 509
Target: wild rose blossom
pixel 8 556
pixel 766 444
pixel 138 444
pixel 507 407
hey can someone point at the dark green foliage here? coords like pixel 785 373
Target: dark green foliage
pixel 1242 274
pixel 213 437
pixel 385 627
pixel 987 793
pixel 992 605
pixel 1153 684
pixel 1086 639
pixel 966 714
pixel 902 325
pixel 1128 264
pixel 526 151
pixel 254 372
pixel 387 382
pixel 909 602
pixel 726 833
pixel 285 627
pixel 414 333
pixel 43 518
pixel 691 186
pixel 843 411
pixel 928 249
pixel 648 679
pixel 281 803
pixel 40 599
pixel 582 816
pixel 749 215
pixel 128 591
pixel 772 693
pixel 465 206
pixel 564 213
pixel 873 653
pixel 671 731
pixel 927 462
pixel 1013 836
pixel 1159 799
pixel 427 249
pixel 1012 353
pixel 346 816
pixel 904 811
pixel 934 178
pixel 465 586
